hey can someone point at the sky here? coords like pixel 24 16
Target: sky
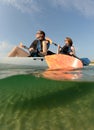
pixel 20 20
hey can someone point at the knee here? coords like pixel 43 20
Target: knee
pixel 16 48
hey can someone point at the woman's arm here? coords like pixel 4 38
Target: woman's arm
pixel 58 49
pixel 72 50
pixel 44 51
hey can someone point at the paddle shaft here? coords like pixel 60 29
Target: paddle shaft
pixel 55 45
pixel 62 47
pixel 26 47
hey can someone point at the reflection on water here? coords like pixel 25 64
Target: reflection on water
pixel 85 74
pixel 62 75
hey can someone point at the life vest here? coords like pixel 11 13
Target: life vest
pixel 39 47
pixel 66 50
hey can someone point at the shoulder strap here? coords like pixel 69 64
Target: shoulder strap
pixel 39 46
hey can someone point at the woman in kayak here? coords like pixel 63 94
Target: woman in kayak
pixel 68 48
pixel 38 47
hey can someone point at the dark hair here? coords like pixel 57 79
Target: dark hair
pixel 42 32
pixel 69 41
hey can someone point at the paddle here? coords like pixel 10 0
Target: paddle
pixel 51 42
pixel 23 46
pixel 85 61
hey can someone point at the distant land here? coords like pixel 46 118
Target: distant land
pixel 92 62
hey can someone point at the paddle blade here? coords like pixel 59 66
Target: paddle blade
pixel 85 61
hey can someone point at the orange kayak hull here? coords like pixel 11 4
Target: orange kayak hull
pixel 61 61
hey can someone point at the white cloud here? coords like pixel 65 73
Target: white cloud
pixel 28 6
pixel 85 7
pixel 5 47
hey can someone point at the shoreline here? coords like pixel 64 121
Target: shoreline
pixel 91 63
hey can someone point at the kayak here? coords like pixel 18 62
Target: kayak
pixel 23 63
pixel 65 62
pixel 53 62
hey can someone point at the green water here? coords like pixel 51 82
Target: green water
pixel 31 103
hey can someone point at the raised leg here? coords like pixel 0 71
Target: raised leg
pixel 19 52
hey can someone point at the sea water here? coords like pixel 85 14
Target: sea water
pixel 47 100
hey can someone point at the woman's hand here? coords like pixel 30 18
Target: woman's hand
pixel 58 49
pixel 58 46
pixel 31 49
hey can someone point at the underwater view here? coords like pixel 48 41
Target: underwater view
pixel 47 100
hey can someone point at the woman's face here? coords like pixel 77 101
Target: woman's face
pixel 66 42
pixel 39 35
